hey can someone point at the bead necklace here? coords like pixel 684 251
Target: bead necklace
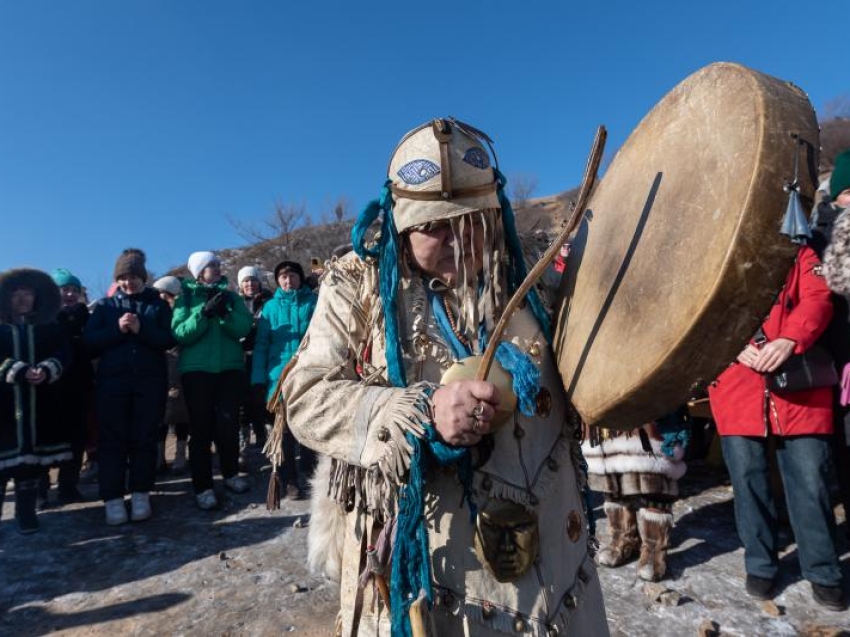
pixel 464 341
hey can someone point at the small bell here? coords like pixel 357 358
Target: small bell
pixel 794 223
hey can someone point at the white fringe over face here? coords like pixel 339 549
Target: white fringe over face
pixel 480 295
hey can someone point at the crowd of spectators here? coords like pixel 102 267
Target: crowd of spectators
pixel 94 390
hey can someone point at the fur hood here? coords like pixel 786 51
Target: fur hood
pixel 47 298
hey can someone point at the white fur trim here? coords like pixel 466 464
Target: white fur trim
pixel 326 536
pixel 836 258
pixel 613 506
pixel 32 459
pixel 14 370
pixel 54 369
pixel 625 454
pixel 654 516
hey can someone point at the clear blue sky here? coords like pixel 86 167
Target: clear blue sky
pixel 147 123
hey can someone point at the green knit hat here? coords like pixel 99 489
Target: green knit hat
pixel 840 179
pixel 63 277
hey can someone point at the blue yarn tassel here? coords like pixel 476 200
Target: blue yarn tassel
pixel 411 567
pixel 388 269
pixel 525 374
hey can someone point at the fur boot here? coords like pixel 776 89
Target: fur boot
pixel 654 528
pixel 624 540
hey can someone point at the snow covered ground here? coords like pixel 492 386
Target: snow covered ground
pixel 240 571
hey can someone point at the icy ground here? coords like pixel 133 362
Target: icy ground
pixel 240 571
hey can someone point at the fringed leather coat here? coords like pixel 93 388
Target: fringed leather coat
pixel 338 402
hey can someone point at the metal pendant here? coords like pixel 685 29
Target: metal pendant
pixel 543 403
pixel 507 539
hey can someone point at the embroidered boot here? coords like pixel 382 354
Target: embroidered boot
pixel 654 528
pixel 624 541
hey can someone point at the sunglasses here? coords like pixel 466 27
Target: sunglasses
pixel 441 225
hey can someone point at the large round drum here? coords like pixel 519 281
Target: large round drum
pixel 679 257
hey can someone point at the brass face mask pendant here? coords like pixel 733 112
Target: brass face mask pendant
pixel 507 539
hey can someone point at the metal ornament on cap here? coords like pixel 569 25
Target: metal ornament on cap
pixel 444 163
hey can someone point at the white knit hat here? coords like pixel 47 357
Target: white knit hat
pixel 170 284
pixel 246 272
pixel 199 260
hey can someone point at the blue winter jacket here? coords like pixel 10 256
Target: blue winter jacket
pixel 281 326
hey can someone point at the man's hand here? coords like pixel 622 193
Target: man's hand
pixel 463 410
pixel 773 354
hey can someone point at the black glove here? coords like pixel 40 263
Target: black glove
pixel 211 307
pixel 225 306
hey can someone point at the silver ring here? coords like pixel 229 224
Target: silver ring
pixel 478 411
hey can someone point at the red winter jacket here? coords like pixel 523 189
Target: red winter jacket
pixel 801 313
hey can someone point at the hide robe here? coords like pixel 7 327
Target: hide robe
pixel 339 403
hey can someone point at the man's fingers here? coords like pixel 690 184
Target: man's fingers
pixel 484 391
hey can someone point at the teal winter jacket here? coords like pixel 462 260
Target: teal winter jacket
pixel 209 344
pixel 282 324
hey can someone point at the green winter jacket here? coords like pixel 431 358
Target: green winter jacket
pixel 209 344
pixel 280 328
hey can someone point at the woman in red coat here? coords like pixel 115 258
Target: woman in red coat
pixel 748 415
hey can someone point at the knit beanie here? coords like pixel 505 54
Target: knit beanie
pixel 130 263
pixel 199 260
pixel 170 284
pixel 840 179
pixel 247 272
pixel 63 278
pixel 289 266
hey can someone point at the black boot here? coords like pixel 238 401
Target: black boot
pixel 3 481
pixel 26 492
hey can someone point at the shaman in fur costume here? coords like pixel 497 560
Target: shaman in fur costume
pixel 415 486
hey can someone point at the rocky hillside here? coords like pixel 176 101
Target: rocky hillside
pixel 541 217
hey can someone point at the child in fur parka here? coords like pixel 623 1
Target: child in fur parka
pixel 638 473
